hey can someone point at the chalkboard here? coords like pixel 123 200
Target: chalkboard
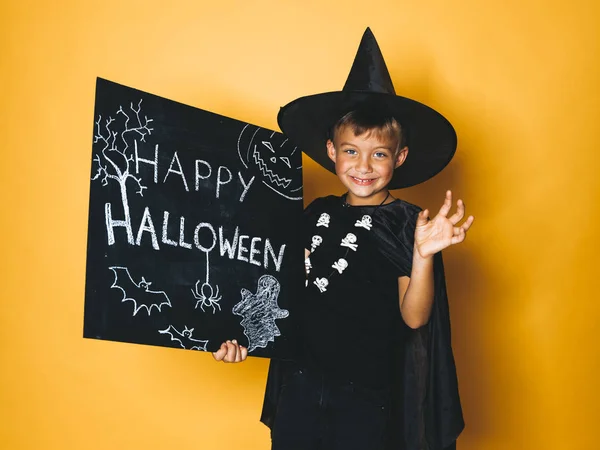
pixel 194 227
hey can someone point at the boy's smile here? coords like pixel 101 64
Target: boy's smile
pixel 363 181
pixel 365 164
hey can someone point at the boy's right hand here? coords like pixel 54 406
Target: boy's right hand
pixel 231 352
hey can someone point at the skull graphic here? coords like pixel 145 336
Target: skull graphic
pixel 316 241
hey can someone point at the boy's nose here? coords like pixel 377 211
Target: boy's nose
pixel 363 165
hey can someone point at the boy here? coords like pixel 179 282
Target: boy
pixel 374 367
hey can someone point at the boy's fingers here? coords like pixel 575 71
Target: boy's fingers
pixel 465 226
pixel 231 352
pixel 422 217
pixel 230 357
pixel 460 233
pixel 468 223
pixel 459 214
pixel 445 209
pixel 236 351
pixel 460 237
pixel 220 354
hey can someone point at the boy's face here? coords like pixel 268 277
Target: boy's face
pixel 365 164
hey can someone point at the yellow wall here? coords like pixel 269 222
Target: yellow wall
pixel 519 79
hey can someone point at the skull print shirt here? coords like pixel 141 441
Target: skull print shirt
pixel 351 300
pixel 352 319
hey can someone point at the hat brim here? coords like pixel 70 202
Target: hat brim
pixel 431 138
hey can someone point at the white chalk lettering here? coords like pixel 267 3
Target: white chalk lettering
pixel 139 160
pixel 270 251
pixel 197 237
pixel 246 186
pixel 112 223
pixel 181 234
pixel 254 251
pixel 242 249
pixel 147 225
pixel 165 239
pixel 177 172
pixel 226 246
pixel 220 180
pixel 201 177
pixel 232 244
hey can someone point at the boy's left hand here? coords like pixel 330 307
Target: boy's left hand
pixel 436 234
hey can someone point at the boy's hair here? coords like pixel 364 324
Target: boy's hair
pixel 373 120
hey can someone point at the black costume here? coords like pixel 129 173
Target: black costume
pixel 352 292
pixel 357 306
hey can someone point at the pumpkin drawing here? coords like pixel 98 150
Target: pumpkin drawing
pixel 273 159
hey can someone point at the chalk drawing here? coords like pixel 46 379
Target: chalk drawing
pixel 259 312
pixel 139 293
pixel 206 296
pixel 114 161
pixel 185 338
pixel 179 171
pixel 256 149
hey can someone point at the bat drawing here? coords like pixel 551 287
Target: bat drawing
pixel 185 338
pixel 139 293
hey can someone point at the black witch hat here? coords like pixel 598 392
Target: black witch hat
pixel 431 139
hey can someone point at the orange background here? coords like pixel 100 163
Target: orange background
pixel 518 79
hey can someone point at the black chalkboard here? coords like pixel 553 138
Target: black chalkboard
pixel 194 227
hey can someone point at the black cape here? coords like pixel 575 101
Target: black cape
pixel 426 409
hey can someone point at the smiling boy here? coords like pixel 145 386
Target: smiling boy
pixel 365 159
pixel 373 367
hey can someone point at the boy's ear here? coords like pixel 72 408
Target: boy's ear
pixel 330 150
pixel 401 157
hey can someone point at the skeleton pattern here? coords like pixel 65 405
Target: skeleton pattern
pixel 321 283
pixel 350 242
pixel 206 295
pixel 340 265
pixel 259 312
pixel 365 222
pixel 323 220
pixel 307 265
pixel 316 241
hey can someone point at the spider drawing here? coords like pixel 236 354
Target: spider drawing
pixel 206 296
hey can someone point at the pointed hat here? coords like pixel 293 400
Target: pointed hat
pixel 431 139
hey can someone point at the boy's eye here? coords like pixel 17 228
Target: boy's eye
pixel 350 151
pixel 381 155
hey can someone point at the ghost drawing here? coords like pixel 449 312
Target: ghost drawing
pixel 273 159
pixel 259 312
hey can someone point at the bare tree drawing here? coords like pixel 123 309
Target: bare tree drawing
pixel 114 160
